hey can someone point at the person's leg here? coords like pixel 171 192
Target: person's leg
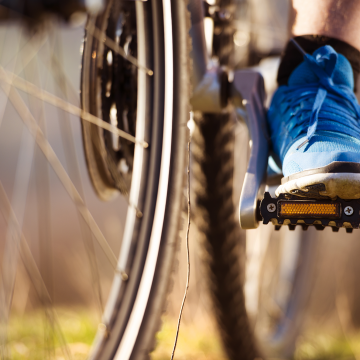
pixel 339 19
pixel 314 117
pixel 315 23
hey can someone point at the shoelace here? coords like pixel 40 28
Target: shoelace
pixel 342 98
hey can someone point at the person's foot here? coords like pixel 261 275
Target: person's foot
pixel 315 128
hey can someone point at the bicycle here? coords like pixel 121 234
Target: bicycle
pixel 145 46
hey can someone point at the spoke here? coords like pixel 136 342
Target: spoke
pixel 101 36
pixel 9 265
pixel 67 138
pixel 19 194
pixel 21 84
pixel 87 237
pixel 26 54
pixel 61 78
pixel 31 72
pixel 31 267
pixel 55 163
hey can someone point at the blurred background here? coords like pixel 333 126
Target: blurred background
pixel 55 233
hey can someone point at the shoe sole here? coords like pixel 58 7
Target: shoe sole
pixel 338 179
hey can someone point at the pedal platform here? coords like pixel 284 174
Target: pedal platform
pixel 294 210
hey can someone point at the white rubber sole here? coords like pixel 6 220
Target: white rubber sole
pixel 342 185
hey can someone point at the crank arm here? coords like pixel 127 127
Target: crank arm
pixel 293 210
pixel 248 96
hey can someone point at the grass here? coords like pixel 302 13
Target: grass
pixel 200 342
pixel 325 347
pixel 28 335
pixel 31 337
pixel 196 341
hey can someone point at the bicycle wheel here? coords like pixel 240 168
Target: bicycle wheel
pixel 224 242
pixel 149 178
pixel 154 109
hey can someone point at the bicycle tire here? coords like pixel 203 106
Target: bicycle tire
pixel 225 261
pixel 128 336
pixel 224 242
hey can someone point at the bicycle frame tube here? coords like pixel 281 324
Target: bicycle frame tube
pixel 205 78
pixel 199 53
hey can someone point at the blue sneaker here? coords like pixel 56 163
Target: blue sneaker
pixel 314 123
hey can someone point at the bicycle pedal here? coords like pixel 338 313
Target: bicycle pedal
pixel 294 210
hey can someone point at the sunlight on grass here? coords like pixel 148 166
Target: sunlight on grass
pixel 323 347
pixel 200 342
pixel 31 336
pixel 196 341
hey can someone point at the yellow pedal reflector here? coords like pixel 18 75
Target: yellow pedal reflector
pixel 309 209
